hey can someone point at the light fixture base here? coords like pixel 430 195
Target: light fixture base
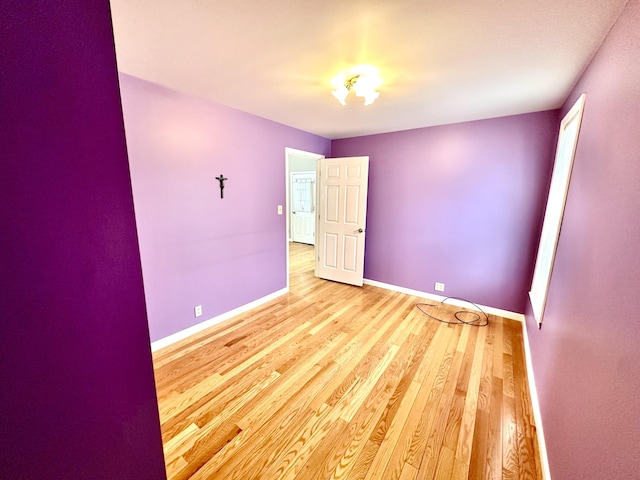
pixel 363 80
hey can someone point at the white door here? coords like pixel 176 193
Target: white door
pixel 342 216
pixel 303 196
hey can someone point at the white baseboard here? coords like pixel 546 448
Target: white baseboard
pixel 182 334
pixel 535 405
pixel 438 298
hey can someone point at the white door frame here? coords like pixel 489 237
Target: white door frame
pixel 287 153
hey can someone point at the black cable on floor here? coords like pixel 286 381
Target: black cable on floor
pixel 459 321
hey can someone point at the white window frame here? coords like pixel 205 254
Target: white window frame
pixel 563 163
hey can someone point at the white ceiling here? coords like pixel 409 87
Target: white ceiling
pixel 441 61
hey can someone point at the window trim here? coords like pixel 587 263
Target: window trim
pixel 554 212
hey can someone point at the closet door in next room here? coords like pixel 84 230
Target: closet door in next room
pixel 303 196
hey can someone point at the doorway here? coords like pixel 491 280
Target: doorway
pixel 341 220
pixel 296 161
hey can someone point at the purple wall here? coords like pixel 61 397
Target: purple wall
pixel 459 204
pixel 586 357
pixel 197 248
pixel 77 394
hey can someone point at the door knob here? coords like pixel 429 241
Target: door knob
pixel 359 231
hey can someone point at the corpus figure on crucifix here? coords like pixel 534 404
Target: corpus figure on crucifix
pixel 221 179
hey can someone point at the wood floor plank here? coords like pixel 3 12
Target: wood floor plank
pixel 460 471
pixel 433 383
pixel 409 472
pixel 498 348
pixel 305 459
pixel 510 453
pixel 478 462
pixel 331 381
pixel 408 440
pixel 467 427
pixel 366 419
pixel 493 468
pixel 438 414
pixel 467 347
pixel 378 468
pixel 363 461
pixel 446 459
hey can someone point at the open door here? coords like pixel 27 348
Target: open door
pixel 342 216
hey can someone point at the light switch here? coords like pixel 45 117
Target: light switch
pixel 279 209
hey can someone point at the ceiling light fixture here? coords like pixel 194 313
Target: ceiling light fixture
pixel 363 80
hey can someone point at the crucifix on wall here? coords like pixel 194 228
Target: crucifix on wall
pixel 221 179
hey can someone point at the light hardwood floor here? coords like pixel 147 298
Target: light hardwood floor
pixel 337 382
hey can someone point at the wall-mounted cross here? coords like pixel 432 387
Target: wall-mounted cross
pixel 221 179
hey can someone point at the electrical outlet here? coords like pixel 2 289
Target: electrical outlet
pixel 198 310
pixel 279 209
pixel 439 287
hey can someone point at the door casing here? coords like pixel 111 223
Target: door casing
pixel 289 153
